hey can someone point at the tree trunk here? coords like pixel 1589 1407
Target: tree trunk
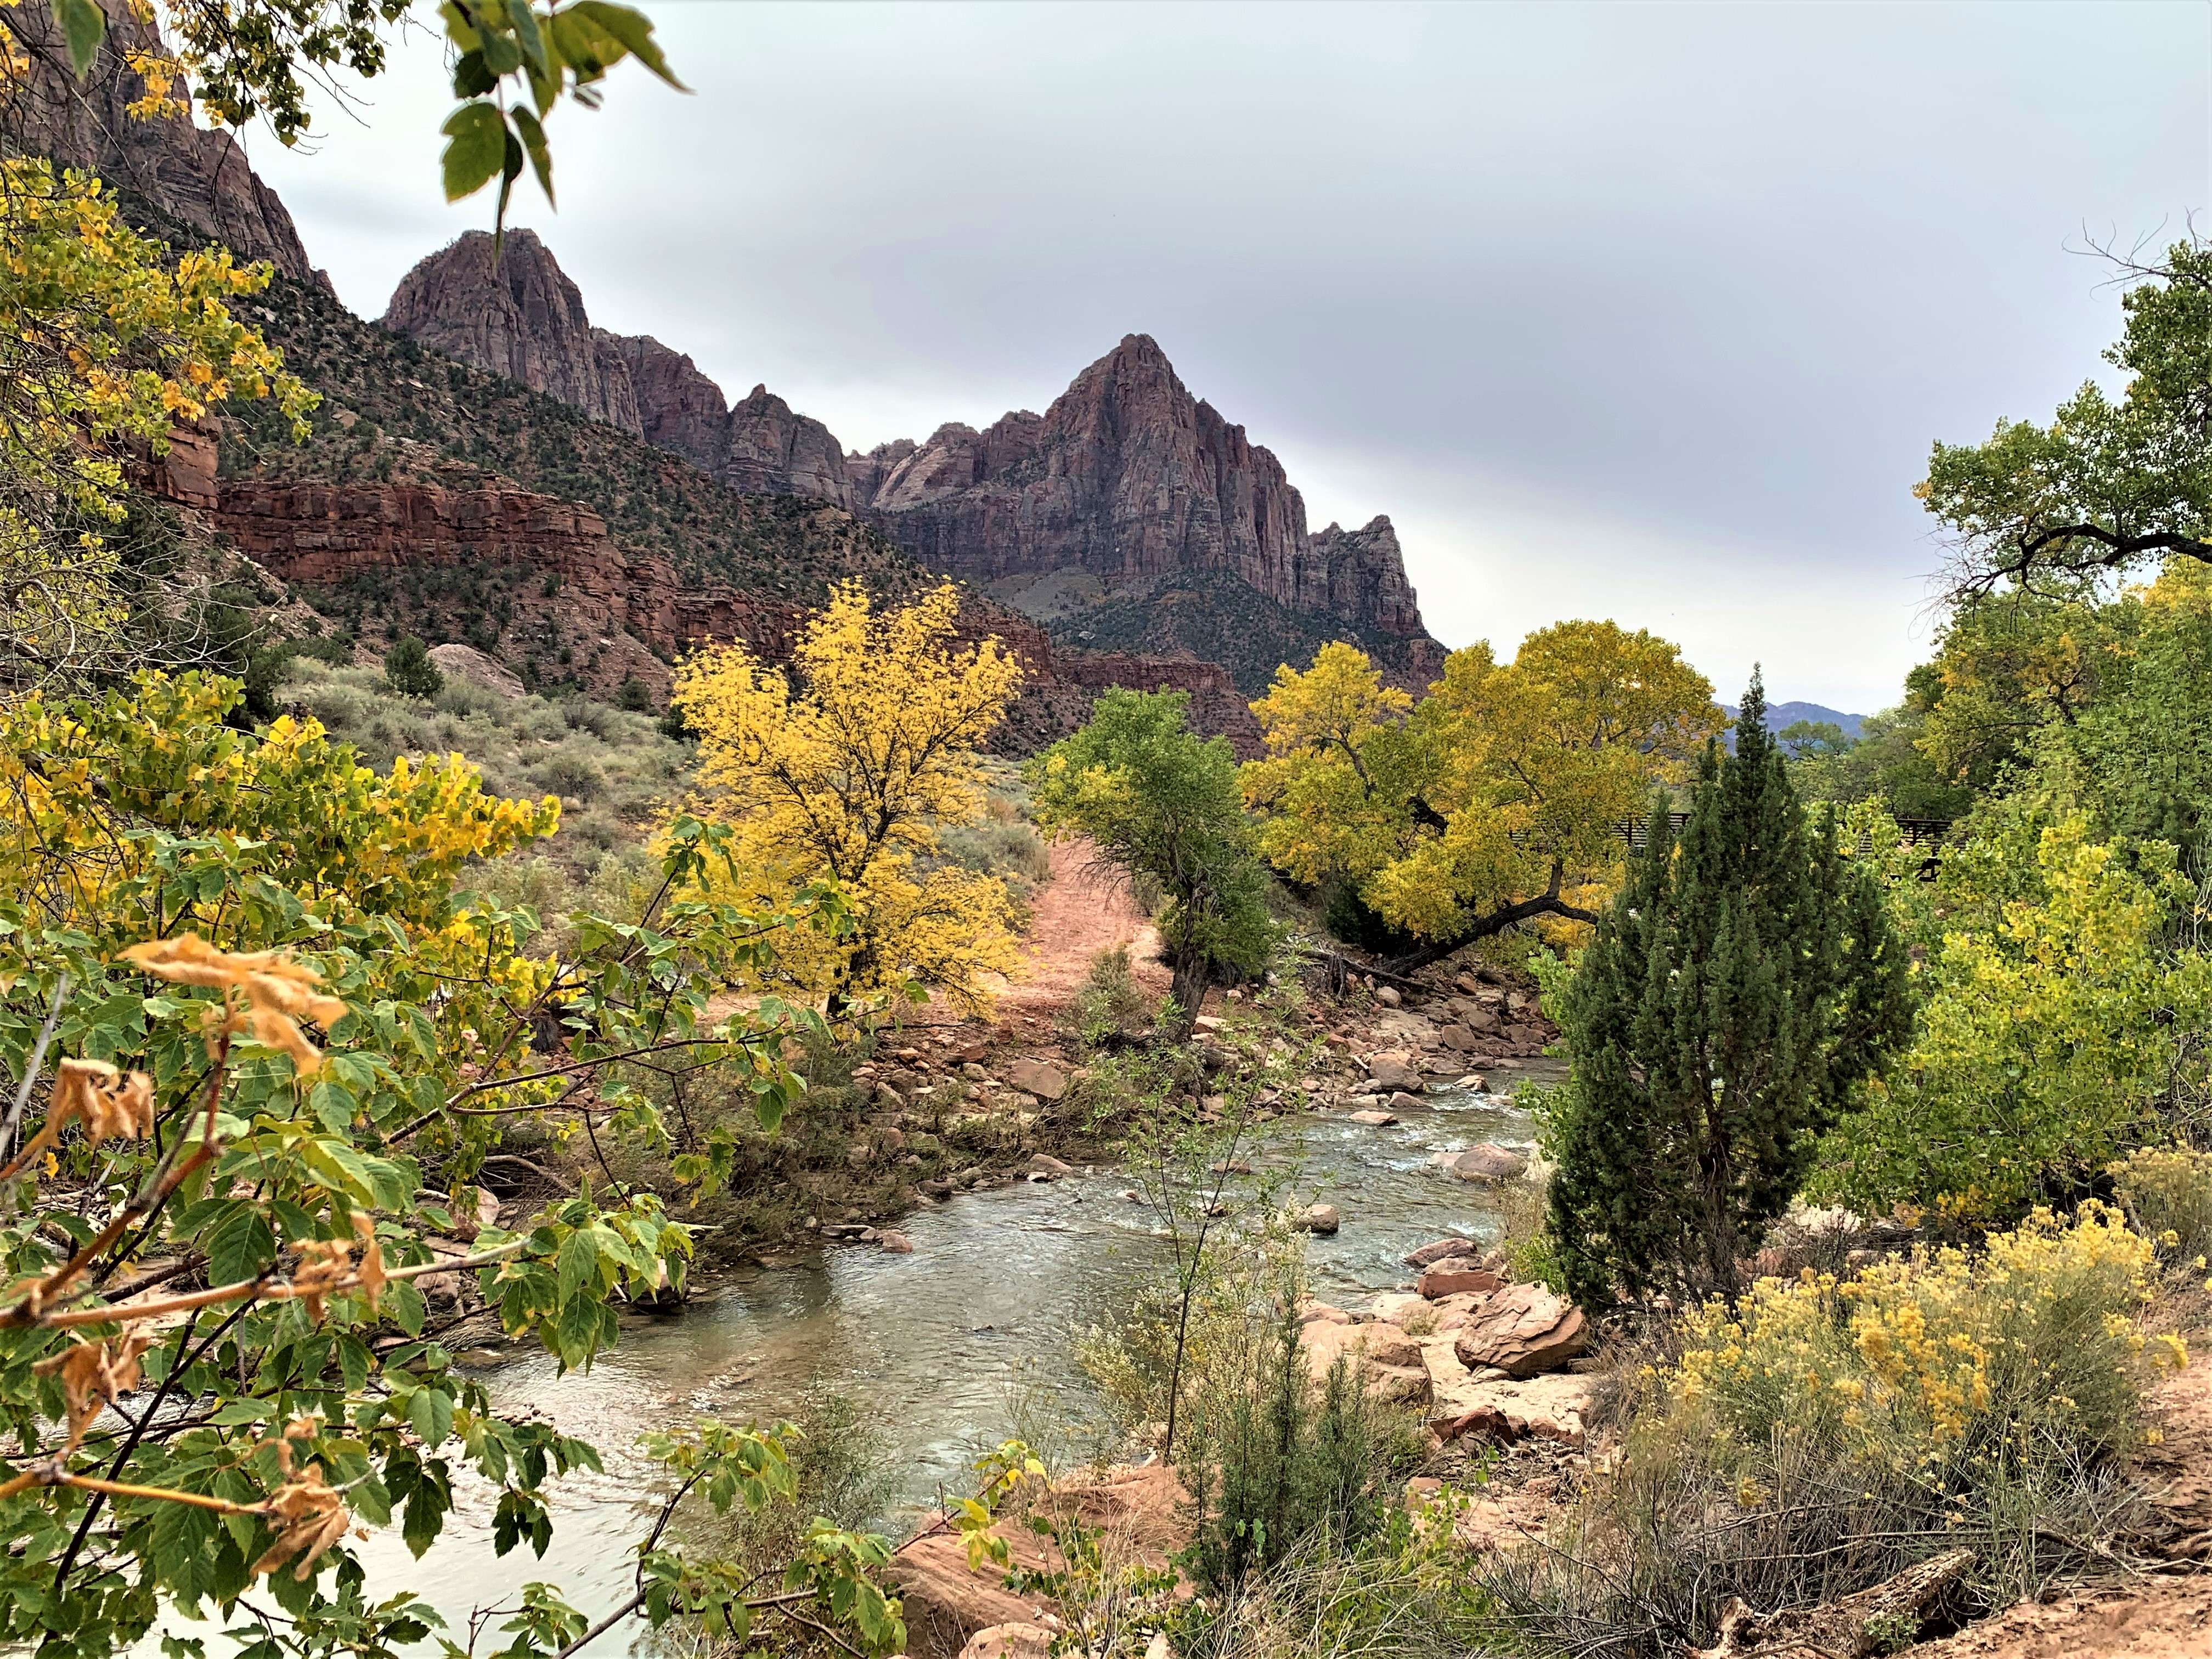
pixel 1192 974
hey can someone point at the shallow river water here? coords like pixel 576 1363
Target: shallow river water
pixel 934 1345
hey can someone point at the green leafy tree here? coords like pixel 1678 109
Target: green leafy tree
pixel 260 1047
pixel 409 671
pixel 1743 986
pixel 2107 486
pixel 1164 804
pixel 1806 739
pixel 2064 1026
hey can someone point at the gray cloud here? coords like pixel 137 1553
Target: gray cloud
pixel 1648 312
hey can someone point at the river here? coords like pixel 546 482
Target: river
pixel 935 1345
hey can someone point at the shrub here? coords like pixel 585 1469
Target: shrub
pixel 1824 1435
pixel 1110 1005
pixel 1916 1362
pixel 568 772
pixel 409 671
pixel 2169 1192
pixel 1282 1462
pixel 1404 1593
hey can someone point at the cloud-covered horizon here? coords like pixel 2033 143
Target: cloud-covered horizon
pixel 1649 312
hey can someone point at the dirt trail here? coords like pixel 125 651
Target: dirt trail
pixel 2158 1618
pixel 1082 910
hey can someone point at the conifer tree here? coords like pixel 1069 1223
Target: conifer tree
pixel 1744 984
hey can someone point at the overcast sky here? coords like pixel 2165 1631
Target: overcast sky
pixel 1647 312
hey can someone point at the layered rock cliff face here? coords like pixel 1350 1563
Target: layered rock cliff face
pixel 1126 476
pixel 553 577
pixel 195 181
pixel 522 318
pixel 1358 573
pixel 1130 478
pixel 518 315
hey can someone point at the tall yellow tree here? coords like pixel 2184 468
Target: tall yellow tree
pixel 1495 800
pixel 843 769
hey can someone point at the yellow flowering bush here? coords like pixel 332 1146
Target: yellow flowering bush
pixel 1913 1365
pixel 2168 1190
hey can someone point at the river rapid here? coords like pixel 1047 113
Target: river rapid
pixel 938 1347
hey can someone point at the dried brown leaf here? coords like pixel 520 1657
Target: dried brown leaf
pixel 307 1517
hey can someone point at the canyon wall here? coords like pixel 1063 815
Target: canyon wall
pixel 197 181
pixel 627 615
pixel 522 318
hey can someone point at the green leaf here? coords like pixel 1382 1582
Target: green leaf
pixel 533 142
pixel 240 1244
pixel 635 30
pixel 577 1264
pixel 477 149
pixel 526 34
pixel 84 26
pixel 430 1414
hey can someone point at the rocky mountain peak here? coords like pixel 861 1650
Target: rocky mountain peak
pixel 1126 480
pixel 1130 477
pixel 516 314
pixel 522 317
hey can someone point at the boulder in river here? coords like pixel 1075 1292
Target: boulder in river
pixel 1322 1218
pixel 891 1241
pixel 1439 1251
pixel 1455 1276
pixel 1486 1162
pixel 1402 1102
pixel 1374 1118
pixel 1045 1164
pixel 1394 1069
pixel 1522 1330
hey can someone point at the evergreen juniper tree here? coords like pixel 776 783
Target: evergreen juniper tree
pixel 1743 986
pixel 409 671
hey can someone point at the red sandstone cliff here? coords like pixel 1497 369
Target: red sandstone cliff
pixel 524 319
pixel 1130 478
pixel 626 615
pixel 198 180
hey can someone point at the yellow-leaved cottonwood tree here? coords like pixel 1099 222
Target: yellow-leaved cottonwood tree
pixel 1496 799
pixel 843 768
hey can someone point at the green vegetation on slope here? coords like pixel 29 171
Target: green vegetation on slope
pixel 1212 616
pixel 382 393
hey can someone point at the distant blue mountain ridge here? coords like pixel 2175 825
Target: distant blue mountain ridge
pixel 1781 715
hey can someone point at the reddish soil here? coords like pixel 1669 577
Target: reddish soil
pixel 1085 909
pixel 2166 1619
pixel 2160 1617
